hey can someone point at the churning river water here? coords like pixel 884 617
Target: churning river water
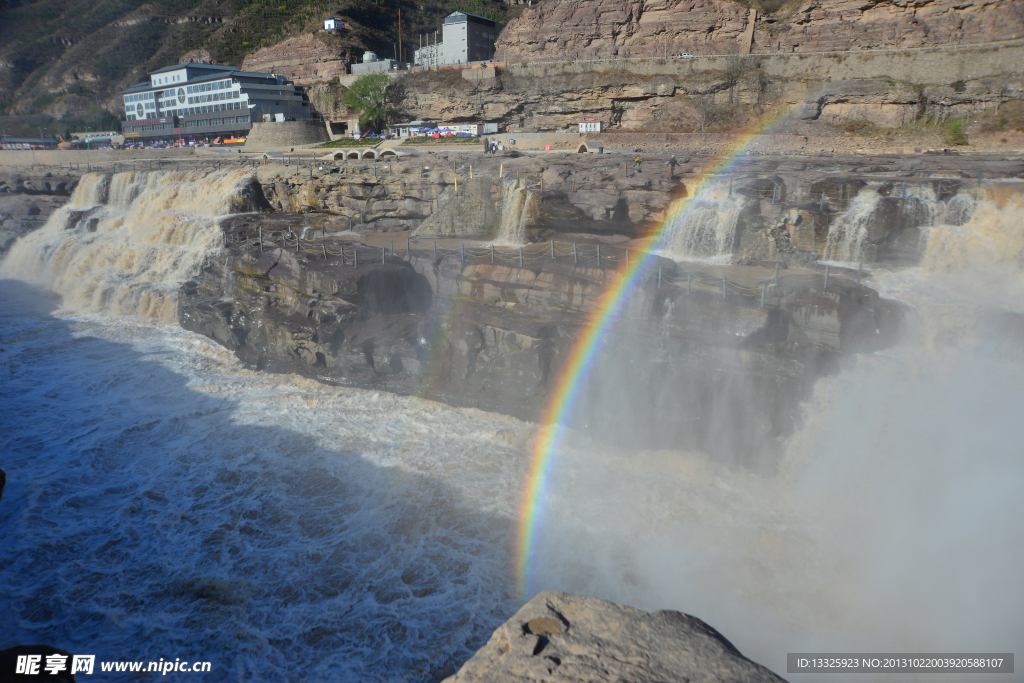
pixel 164 502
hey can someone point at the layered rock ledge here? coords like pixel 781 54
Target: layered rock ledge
pixel 563 638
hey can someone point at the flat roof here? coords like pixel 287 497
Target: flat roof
pixel 192 65
pixel 146 87
pixel 476 19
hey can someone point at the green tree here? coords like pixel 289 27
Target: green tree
pixel 371 96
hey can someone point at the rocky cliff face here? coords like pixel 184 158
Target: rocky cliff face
pixel 819 92
pixel 304 59
pixel 563 638
pixel 603 29
pixel 493 334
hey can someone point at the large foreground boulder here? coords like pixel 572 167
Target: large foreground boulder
pixel 564 638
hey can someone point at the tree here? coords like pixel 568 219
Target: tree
pixel 371 96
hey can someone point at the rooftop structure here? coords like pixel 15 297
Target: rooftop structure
pixel 372 65
pixel 208 99
pixel 465 38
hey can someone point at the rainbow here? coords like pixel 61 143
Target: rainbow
pixel 576 368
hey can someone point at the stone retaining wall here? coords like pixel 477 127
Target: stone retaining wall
pixel 286 134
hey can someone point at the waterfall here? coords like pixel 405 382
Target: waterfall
pixel 984 254
pixel 912 206
pixel 518 209
pixel 125 242
pixel 704 228
pixel 846 236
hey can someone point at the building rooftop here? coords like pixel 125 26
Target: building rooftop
pixel 193 65
pixel 459 17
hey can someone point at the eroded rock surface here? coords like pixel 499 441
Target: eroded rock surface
pixel 601 29
pixel 563 638
pixel 495 335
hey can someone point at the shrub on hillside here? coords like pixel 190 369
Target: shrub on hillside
pixel 955 134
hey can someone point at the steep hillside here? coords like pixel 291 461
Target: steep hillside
pixel 62 63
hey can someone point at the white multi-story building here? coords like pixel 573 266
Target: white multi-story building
pixel 465 38
pixel 208 99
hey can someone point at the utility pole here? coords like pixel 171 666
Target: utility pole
pixel 400 34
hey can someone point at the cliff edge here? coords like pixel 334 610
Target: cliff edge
pixel 564 638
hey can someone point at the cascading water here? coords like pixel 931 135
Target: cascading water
pixel 704 229
pixel 913 205
pixel 162 501
pixel 901 486
pixel 846 236
pixel 125 242
pixel 518 209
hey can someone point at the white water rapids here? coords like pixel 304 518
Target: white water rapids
pixel 162 501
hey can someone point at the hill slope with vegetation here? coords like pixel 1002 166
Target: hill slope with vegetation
pixel 63 63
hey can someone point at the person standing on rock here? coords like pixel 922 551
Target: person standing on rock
pixel 636 164
pixel 672 163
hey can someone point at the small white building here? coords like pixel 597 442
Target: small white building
pixel 331 24
pixel 590 126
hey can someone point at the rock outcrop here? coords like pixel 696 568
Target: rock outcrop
pixel 563 638
pixel 603 29
pixel 27 200
pixel 727 93
pixel 493 334
pixel 303 59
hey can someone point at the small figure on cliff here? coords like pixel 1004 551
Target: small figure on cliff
pixel 636 164
pixel 672 163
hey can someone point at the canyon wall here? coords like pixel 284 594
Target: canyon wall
pixel 884 89
pixel 492 335
pixel 604 29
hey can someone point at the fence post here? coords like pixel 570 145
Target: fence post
pixel 501 170
pixel 826 276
